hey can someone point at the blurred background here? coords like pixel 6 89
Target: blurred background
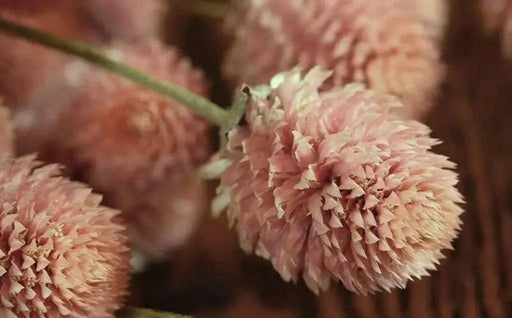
pixel 211 277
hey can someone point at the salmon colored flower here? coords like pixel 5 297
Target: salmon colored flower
pixel 384 44
pixel 61 253
pixel 330 185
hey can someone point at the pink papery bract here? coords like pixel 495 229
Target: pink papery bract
pixel 61 253
pixel 329 184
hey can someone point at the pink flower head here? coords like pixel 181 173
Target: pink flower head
pixel 129 19
pixel 384 44
pixel 6 133
pixel 129 143
pixel 327 183
pixel 61 253
pixel 126 134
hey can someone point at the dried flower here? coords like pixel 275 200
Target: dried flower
pixel 384 44
pixel 6 133
pixel 327 183
pixel 126 134
pixel 61 253
pixel 129 19
pixel 128 142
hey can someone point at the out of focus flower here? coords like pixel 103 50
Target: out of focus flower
pixel 327 183
pixel 61 253
pixel 384 44
pixel 130 19
pixel 28 70
pixel 6 133
pixel 126 134
pixel 136 146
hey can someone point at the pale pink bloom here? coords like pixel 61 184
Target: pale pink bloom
pixel 126 134
pixel 61 253
pixel 6 133
pixel 129 142
pixel 130 19
pixel 384 44
pixel 328 184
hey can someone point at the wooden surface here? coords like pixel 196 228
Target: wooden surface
pixel 473 117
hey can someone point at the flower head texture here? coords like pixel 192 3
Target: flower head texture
pixel 61 253
pixel 384 44
pixel 6 133
pixel 329 184
pixel 126 134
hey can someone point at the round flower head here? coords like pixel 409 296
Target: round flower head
pixel 129 19
pixel 123 133
pixel 327 183
pixel 6 133
pixel 127 141
pixel 384 44
pixel 61 253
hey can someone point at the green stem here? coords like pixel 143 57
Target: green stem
pixel 202 106
pixel 147 313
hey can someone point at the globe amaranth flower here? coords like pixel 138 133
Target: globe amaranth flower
pixel 128 141
pixel 61 253
pixel 384 44
pixel 129 19
pixel 327 183
pixel 6 133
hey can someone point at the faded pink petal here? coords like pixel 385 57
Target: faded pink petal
pixel 61 253
pixel 389 45
pixel 328 185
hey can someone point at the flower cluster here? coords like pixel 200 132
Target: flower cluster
pixel 327 183
pixel 384 44
pixel 61 253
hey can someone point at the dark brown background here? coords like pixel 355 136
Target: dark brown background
pixel 473 116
